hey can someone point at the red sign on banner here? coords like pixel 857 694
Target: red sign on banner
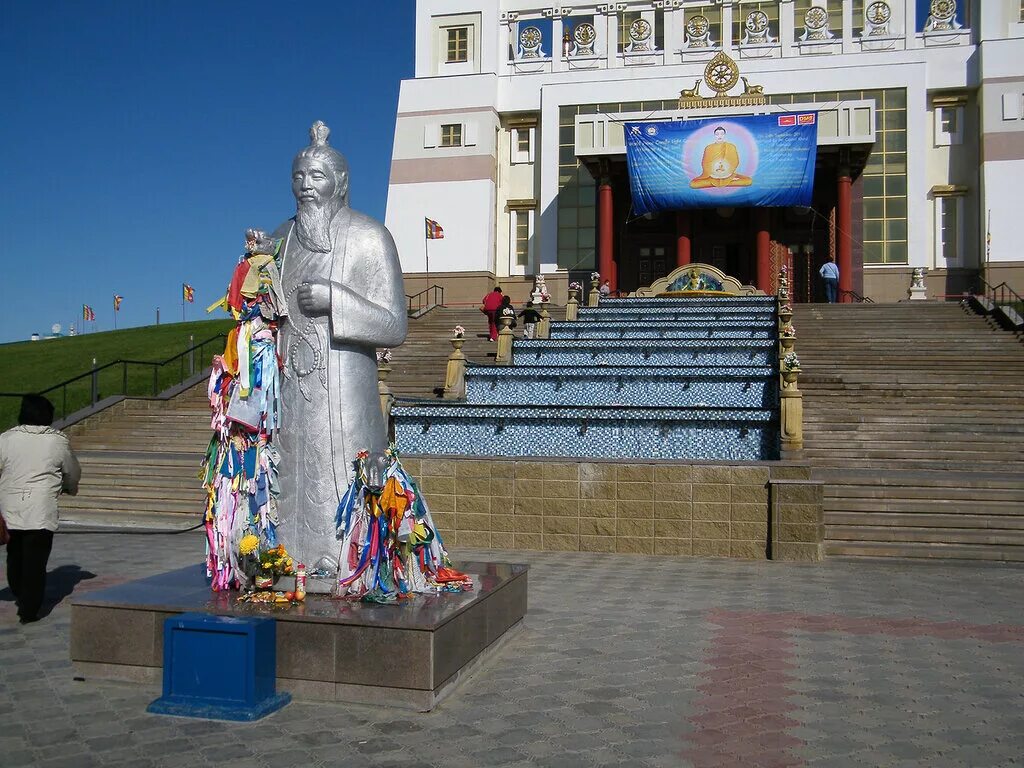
pixel 805 119
pixel 787 120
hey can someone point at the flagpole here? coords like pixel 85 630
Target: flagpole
pixel 115 313
pixel 426 257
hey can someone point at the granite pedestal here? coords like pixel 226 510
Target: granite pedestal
pixel 409 655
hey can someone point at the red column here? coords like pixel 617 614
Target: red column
pixel 763 238
pixel 682 238
pixel 844 232
pixel 605 233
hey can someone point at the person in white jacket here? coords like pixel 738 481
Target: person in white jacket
pixel 36 466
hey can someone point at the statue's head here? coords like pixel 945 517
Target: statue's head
pixel 320 186
pixel 719 133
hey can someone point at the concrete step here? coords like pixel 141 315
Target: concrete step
pixel 923 535
pixel 924 550
pixel 924 520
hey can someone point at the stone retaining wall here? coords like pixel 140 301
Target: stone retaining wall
pixel 656 508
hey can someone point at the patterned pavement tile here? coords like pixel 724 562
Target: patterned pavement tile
pixel 660 662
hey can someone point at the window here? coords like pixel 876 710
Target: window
pixel 521 245
pixel 522 145
pixel 948 125
pixel 948 228
pixel 451 135
pixel 458 45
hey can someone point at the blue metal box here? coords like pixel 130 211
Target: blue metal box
pixel 219 668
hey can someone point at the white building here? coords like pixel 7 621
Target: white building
pixel 510 136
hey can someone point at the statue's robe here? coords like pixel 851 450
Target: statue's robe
pixel 718 167
pixel 330 406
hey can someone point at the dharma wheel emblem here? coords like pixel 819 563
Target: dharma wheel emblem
pixel 721 73
pixel 943 10
pixel 878 13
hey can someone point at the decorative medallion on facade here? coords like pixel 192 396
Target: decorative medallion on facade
pixel 876 19
pixel 530 41
pixel 722 74
pixel 756 30
pixel 640 35
pixel 698 32
pixel 585 36
pixel 816 24
pixel 943 17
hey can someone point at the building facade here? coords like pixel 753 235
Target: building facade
pixel 511 137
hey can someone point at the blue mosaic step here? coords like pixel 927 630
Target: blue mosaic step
pixel 728 434
pixel 721 329
pixel 673 314
pixel 657 352
pixel 692 301
pixel 689 386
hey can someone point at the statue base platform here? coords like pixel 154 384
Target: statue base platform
pixel 410 655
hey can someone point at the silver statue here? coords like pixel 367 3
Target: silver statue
pixel 342 284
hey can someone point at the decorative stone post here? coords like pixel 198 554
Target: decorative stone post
pixel 594 297
pixel 544 326
pixel 791 419
pixel 504 353
pixel 455 374
pixel 791 404
pixel 917 291
pixel 572 306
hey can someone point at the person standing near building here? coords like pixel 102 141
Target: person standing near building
pixel 606 289
pixel 36 466
pixel 490 306
pixel 830 276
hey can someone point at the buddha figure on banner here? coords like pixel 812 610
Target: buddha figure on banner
pixel 719 165
pixel 342 282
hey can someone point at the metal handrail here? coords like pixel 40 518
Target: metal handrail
pixel 186 361
pixel 855 298
pixel 426 299
pixel 1002 291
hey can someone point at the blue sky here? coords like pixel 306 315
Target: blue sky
pixel 138 141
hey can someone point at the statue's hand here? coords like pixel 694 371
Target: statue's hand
pixel 314 298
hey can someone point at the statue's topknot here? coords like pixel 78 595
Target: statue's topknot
pixel 318 134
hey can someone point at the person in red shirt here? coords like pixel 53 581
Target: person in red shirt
pixel 491 305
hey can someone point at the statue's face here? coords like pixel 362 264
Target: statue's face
pixel 313 182
pixel 719 135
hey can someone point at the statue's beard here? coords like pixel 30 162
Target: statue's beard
pixel 313 226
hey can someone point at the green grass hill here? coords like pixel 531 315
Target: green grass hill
pixel 34 366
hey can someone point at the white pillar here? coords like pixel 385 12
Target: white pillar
pixel 787 32
pixel 727 45
pixel 848 42
pixel 558 61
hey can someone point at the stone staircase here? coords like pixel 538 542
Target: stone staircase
pixel 914 420
pixel 140 460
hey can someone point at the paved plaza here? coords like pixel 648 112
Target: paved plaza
pixel 623 660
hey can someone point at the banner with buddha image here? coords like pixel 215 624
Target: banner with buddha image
pixel 755 160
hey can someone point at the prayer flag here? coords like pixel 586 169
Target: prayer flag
pixel 117 302
pixel 187 292
pixel 434 231
pixel 87 313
